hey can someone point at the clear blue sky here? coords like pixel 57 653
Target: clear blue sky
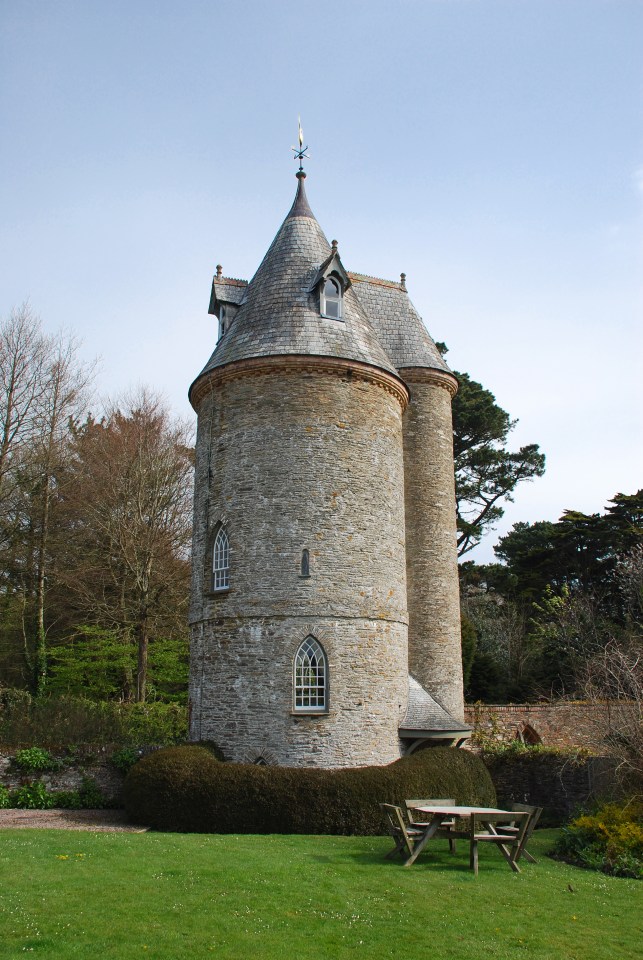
pixel 491 149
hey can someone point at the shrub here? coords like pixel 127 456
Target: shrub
pixel 65 800
pixel 34 759
pixel 610 839
pixel 32 796
pixel 552 778
pixel 125 758
pixel 35 796
pixel 91 796
pixel 88 797
pixel 187 789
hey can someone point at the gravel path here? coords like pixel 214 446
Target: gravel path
pixel 106 821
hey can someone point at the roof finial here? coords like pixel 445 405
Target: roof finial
pixel 403 281
pixel 219 270
pixel 301 153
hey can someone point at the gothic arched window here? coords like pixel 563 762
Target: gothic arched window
pixel 310 678
pixel 331 299
pixel 221 561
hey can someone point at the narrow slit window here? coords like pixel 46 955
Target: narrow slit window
pixel 332 299
pixel 221 561
pixel 311 678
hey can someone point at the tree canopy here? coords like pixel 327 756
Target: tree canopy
pixel 486 472
pixel 95 524
pixel 575 585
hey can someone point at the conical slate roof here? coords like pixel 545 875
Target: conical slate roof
pixel 424 715
pixel 279 314
pixel 398 325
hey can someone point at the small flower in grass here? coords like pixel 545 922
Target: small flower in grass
pixel 62 856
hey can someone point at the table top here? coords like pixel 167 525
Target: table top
pixel 455 811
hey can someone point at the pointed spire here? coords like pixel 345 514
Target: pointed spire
pixel 300 207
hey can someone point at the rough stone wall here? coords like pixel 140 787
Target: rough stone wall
pixel 108 779
pixel 432 568
pixel 247 701
pixel 293 460
pixel 560 725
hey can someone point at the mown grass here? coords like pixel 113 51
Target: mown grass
pixel 70 894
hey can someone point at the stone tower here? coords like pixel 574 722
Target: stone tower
pixel 324 482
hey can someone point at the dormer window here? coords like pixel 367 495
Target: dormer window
pixel 331 299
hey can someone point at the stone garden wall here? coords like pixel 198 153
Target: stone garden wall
pixel 562 725
pixel 86 762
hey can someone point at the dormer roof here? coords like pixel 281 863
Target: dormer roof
pixel 226 290
pixel 332 264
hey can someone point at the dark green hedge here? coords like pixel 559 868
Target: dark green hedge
pixel 186 789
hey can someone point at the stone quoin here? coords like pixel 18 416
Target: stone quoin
pixel 325 625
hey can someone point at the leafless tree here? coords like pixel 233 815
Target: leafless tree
pixel 613 677
pixel 24 355
pixel 42 384
pixel 614 680
pixel 64 398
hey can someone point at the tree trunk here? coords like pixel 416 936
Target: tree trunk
pixel 143 646
pixel 40 658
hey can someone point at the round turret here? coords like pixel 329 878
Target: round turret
pixel 299 621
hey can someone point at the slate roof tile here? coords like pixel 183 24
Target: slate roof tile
pixel 279 308
pixel 425 713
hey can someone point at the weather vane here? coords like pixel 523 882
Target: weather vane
pixel 301 153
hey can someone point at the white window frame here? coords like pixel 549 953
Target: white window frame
pixel 332 278
pixel 221 561
pixel 310 677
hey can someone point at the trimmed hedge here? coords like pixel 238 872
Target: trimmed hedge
pixel 186 789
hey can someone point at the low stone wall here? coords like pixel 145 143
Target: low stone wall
pixel 88 762
pixel 562 725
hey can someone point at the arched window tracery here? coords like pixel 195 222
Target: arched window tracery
pixel 310 677
pixel 331 299
pixel 221 561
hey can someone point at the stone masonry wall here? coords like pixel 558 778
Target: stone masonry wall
pixel 432 570
pixel 560 725
pixel 246 695
pixel 108 779
pixel 288 461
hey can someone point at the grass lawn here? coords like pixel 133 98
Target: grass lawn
pixel 98 895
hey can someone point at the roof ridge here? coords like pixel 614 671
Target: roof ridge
pixel 380 281
pixel 233 280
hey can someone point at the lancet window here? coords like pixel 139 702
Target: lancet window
pixel 331 299
pixel 310 678
pixel 221 561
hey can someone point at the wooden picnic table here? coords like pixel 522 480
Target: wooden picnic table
pixel 488 816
